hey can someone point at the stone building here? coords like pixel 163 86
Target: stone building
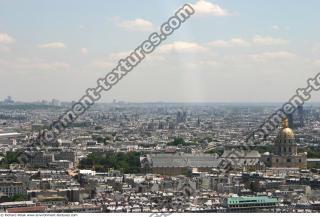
pixel 178 164
pixel 243 159
pixel 41 159
pixel 285 153
pixel 10 186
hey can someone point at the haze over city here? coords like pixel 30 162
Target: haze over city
pixel 159 108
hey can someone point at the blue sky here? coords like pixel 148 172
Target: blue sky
pixel 228 51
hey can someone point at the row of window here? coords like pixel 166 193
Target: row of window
pixel 252 205
pixel 10 189
pixel 284 149
pixel 285 141
pixel 289 160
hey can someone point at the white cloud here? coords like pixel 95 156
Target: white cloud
pixel 52 45
pixel 203 7
pixel 103 63
pixel 273 56
pixel 239 42
pixel 256 40
pixel 34 64
pixel 138 24
pixel 50 66
pixel 84 51
pixel 232 42
pixel 5 38
pixel 118 55
pixel 275 27
pixel 268 40
pixel 181 46
pixel 219 43
pixel 40 64
pixel 110 60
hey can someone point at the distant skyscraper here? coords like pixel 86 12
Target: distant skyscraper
pixel 300 112
pixel 55 102
pixel 296 119
pixel 181 117
pixel 8 100
pixel 290 120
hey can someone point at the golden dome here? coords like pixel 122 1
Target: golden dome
pixel 286 132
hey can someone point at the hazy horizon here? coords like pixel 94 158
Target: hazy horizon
pixel 171 102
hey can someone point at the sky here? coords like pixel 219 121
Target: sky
pixel 228 51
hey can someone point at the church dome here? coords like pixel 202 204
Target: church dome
pixel 285 132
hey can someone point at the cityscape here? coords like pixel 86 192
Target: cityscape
pixel 159 108
pixel 159 157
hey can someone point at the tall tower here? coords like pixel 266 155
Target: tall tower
pixel 290 120
pixel 300 115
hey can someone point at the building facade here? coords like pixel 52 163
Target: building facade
pixel 285 152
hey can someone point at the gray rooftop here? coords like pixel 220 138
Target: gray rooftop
pixel 183 160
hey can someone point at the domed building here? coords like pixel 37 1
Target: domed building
pixel 285 152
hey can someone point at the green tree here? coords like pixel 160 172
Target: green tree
pixel 176 142
pixel 126 162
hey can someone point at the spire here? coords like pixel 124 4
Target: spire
pixel 285 123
